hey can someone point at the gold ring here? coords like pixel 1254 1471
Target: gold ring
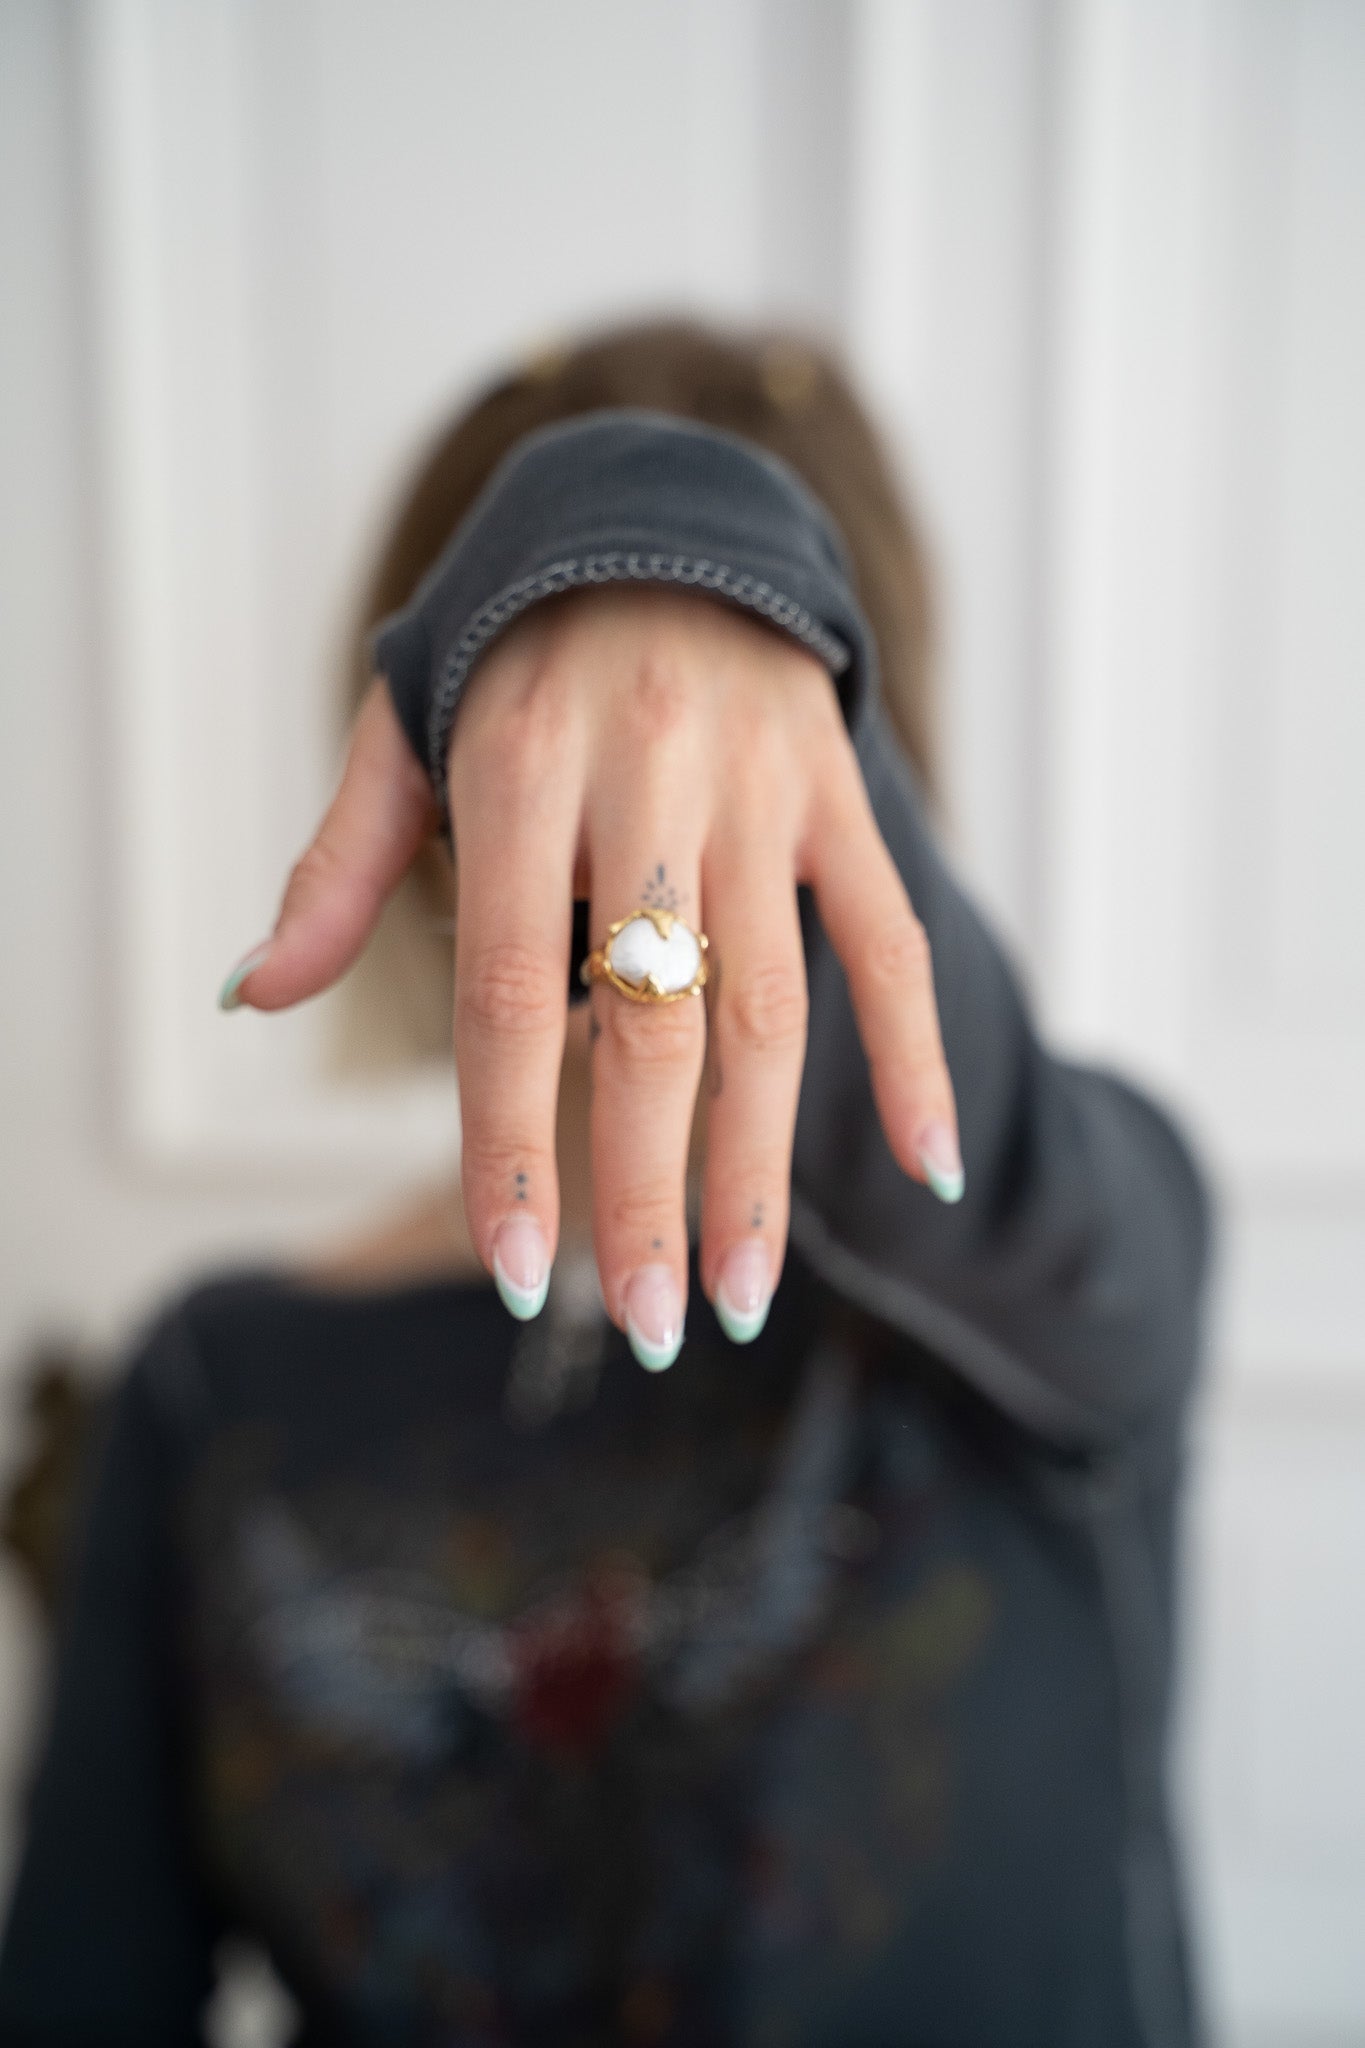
pixel 652 956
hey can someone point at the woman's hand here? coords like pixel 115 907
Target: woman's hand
pixel 633 746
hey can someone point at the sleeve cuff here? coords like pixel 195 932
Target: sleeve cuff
pixel 624 497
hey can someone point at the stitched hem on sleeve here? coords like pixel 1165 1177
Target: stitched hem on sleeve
pixel 695 572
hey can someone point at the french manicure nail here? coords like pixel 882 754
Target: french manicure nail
pixel 230 994
pixel 521 1267
pixel 744 1291
pixel 937 1151
pixel 654 1317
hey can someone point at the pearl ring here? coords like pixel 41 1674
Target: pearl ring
pixel 652 956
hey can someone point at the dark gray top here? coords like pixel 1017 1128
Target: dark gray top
pixel 811 1694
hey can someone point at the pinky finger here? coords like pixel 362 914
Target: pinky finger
pixel 884 951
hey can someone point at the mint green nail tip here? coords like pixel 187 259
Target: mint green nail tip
pixel 653 1357
pixel 230 994
pixel 525 1303
pixel 949 1187
pixel 739 1325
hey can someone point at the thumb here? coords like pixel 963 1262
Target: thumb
pixel 373 830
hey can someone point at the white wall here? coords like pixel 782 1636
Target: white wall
pixel 1102 264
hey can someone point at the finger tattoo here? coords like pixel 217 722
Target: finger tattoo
pixel 659 893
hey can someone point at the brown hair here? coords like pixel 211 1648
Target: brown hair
pixel 780 391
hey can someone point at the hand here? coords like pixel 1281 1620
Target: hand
pixel 617 745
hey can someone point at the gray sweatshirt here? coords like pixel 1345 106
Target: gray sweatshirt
pixel 811 1694
pixel 1066 1288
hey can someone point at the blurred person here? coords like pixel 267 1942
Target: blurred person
pixel 810 1685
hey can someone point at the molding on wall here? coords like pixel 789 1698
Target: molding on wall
pixel 1184 134
pixel 180 431
pixel 944 325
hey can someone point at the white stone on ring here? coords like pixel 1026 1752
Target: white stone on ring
pixel 641 953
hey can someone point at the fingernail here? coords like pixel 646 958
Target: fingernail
pixel 942 1162
pixel 654 1317
pixel 744 1291
pixel 230 994
pixel 521 1267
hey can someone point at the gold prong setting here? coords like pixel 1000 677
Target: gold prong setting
pixel 650 956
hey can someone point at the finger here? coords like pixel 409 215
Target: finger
pixel 756 1022
pixel 377 821
pixel 646 1065
pixel 884 951
pixel 516 799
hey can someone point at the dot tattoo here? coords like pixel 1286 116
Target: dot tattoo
pixel 519 1184
pixel 658 892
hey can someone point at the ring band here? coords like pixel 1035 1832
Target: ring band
pixel 651 956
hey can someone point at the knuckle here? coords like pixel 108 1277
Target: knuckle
pixel 647 1037
pixel 510 986
pixel 512 761
pixel 755 718
pixel 762 769
pixel 818 718
pixel 901 963
pixel 519 737
pixel 660 698
pixel 767 1008
pixel 751 1178
pixel 645 1209
pixel 489 1164
pixel 835 778
pixel 317 865
pixel 319 871
pixel 536 718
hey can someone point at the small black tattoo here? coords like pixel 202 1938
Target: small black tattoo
pixel 656 1244
pixel 520 1184
pixel 658 892
pixel 594 1028
pixel 756 1218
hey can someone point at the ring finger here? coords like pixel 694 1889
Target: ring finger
pixel 647 1059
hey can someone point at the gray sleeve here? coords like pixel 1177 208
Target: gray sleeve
pixel 1066 1285
pixel 611 498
